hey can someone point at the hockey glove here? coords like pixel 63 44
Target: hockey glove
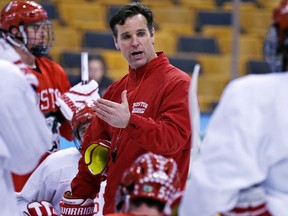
pixel 70 205
pixel 77 96
pixel 42 208
pixel 96 156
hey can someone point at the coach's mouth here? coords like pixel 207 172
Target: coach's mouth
pixel 137 55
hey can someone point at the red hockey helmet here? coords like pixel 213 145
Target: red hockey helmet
pixel 20 14
pixel 282 22
pixel 151 176
pixel 276 12
pixel 81 119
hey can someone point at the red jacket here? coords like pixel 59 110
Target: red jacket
pixel 158 100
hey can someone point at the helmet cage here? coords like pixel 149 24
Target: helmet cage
pixel 78 134
pixel 40 37
pixel 81 119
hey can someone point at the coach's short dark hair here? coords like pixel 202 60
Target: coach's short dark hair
pixel 130 10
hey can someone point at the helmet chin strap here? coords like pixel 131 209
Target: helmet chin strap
pixel 127 200
pixel 23 33
pixel 10 37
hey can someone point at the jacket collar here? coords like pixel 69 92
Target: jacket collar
pixel 149 67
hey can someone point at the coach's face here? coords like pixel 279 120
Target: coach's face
pixel 135 41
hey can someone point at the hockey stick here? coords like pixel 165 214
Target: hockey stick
pixel 194 111
pixel 84 68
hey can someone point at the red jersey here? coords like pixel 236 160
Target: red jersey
pixel 52 82
pixel 158 101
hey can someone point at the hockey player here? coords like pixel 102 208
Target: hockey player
pixel 242 167
pixel 148 187
pixel 26 28
pixel 43 191
pixel 24 135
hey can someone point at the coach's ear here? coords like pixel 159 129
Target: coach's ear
pixel 116 43
pixel 153 35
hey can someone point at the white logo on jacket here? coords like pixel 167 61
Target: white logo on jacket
pixel 139 107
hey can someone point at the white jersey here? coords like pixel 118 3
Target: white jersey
pixel 246 144
pixel 7 52
pixel 24 136
pixel 52 178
